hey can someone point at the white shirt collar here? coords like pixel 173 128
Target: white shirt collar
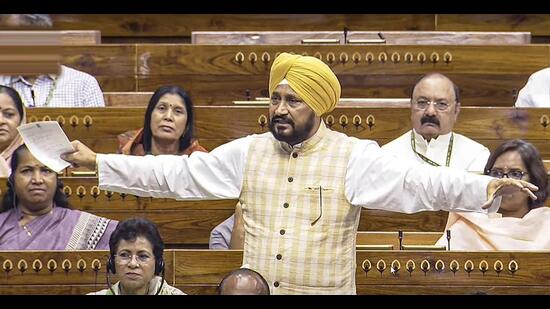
pixel 441 142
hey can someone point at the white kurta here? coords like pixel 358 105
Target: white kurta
pixel 536 93
pixel 372 179
pixel 466 155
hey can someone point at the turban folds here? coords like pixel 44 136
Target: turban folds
pixel 310 78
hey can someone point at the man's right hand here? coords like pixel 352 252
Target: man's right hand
pixel 81 156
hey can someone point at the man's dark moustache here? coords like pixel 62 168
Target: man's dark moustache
pixel 432 120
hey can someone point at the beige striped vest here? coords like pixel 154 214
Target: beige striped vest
pixel 300 229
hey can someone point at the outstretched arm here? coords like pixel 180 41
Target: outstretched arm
pixel 376 179
pixel 214 175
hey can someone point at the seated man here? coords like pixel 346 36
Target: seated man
pixel 230 233
pixel 521 223
pixel 136 258
pixel 220 237
pixel 35 212
pixel 435 105
pixel 243 281
pixel 67 88
pixel 536 93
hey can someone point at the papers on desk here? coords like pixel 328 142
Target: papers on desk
pixel 46 141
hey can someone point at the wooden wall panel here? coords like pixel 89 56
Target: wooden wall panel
pixel 170 25
pixel 537 24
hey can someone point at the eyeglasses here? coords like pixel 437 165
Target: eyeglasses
pixel 125 257
pixel 423 104
pixel 513 174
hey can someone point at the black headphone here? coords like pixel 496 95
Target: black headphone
pixel 111 268
pixel 159 265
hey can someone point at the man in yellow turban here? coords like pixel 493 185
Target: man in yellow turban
pixel 301 186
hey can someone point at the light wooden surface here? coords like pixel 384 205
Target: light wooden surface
pixel 359 37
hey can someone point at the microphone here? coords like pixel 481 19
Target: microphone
pixel 448 240
pixel 400 236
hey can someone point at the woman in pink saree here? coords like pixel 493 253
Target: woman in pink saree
pixel 521 223
pixel 35 212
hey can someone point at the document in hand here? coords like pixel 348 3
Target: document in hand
pixel 46 141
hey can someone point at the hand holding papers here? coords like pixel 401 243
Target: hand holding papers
pixel 46 141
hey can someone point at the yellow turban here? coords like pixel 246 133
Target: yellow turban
pixel 310 78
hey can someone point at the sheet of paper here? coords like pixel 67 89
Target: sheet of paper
pixel 46 141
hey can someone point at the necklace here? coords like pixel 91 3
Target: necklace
pixel 428 160
pixel 27 230
pixel 48 98
pixel 34 215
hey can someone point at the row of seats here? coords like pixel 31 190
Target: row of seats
pixel 488 75
pixel 378 272
pixel 189 223
pixel 487 125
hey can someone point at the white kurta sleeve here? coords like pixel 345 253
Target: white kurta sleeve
pixel 378 180
pixel 536 93
pixel 214 175
pixel 480 160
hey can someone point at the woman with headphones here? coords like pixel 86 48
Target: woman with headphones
pixel 35 212
pixel 136 259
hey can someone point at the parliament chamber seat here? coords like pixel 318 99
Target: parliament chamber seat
pixel 99 127
pixel 377 272
pixel 489 75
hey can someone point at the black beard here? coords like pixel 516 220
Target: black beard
pixel 298 136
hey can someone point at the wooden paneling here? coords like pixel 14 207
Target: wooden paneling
pixel 172 25
pixel 181 59
pixel 392 238
pixel 82 37
pixel 358 37
pixel 184 223
pixel 127 99
pixel 532 270
pixel 447 290
pixel 22 60
pixel 476 89
pixel 487 75
pixel 112 65
pixel 380 220
pixel 199 272
pixel 488 125
pixel 537 24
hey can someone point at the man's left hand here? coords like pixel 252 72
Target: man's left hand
pixel 505 186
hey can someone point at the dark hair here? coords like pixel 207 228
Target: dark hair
pixel 187 137
pixel 10 198
pixel 455 87
pixel 133 228
pixel 532 161
pixel 14 95
pixel 246 272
